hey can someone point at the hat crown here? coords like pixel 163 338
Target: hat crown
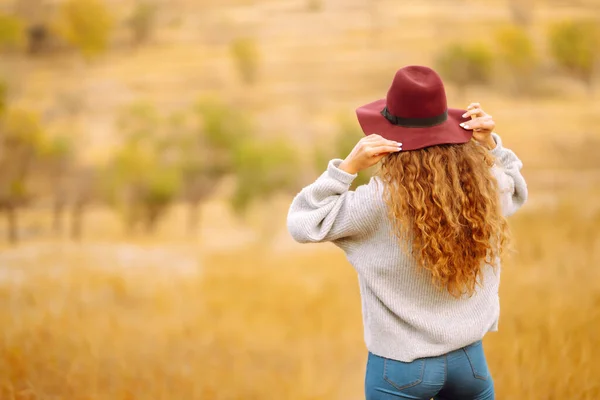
pixel 417 92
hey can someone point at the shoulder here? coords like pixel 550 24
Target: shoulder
pixel 369 205
pixel 371 192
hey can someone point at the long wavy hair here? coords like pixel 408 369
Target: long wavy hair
pixel 444 201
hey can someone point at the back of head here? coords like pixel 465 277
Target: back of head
pixel 444 201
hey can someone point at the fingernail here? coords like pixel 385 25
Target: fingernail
pixel 465 114
pixel 462 124
pixel 466 126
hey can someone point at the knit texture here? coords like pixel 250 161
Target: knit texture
pixel 405 316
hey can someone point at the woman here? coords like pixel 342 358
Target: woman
pixel 425 236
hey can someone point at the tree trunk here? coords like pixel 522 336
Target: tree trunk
pixel 131 221
pixel 77 221
pixel 589 83
pixel 193 217
pixel 151 220
pixel 57 216
pixel 12 224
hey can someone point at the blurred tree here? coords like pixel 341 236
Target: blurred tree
pixel 160 189
pixel 70 185
pixel 36 15
pixel 225 144
pixel 70 103
pixel 41 39
pixel 314 5
pixel 20 138
pixel 522 11
pixel 83 189
pixel 206 151
pixel 143 179
pixel 201 169
pixel 221 126
pixel 348 135
pixel 466 65
pixel 228 145
pixel 140 123
pixel 198 182
pixel 55 166
pixel 574 46
pixel 517 55
pixel 263 169
pixel 86 25
pixel 142 21
pixel 246 57
pixel 12 33
pixel 3 97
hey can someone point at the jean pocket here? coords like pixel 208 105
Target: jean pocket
pixel 477 360
pixel 403 375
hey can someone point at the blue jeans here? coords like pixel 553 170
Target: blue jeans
pixel 459 375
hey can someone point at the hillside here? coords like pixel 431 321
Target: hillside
pixel 314 65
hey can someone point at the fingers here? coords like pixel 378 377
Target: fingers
pixel 373 151
pixel 475 113
pixel 481 123
pixel 376 140
pixel 374 145
pixel 369 150
pixel 385 150
pixel 480 120
pixel 474 110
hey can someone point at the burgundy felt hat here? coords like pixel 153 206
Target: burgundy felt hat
pixel 415 112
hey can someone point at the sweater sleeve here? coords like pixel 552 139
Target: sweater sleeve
pixel 327 210
pixel 513 188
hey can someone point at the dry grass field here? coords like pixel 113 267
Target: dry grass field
pixel 171 321
pixel 226 315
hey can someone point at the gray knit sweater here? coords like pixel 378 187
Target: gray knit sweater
pixel 404 315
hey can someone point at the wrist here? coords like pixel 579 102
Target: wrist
pixel 347 167
pixel 488 142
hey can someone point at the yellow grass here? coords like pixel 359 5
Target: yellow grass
pixel 115 321
pixel 168 319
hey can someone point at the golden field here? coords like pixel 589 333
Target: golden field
pixel 107 320
pixel 239 311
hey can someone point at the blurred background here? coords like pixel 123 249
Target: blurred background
pixel 149 151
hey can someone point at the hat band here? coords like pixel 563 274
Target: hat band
pixel 415 122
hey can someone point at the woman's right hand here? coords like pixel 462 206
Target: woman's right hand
pixel 482 125
pixel 367 152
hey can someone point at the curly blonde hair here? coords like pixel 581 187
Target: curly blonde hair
pixel 444 201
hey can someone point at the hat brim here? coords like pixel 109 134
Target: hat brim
pixel 448 132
